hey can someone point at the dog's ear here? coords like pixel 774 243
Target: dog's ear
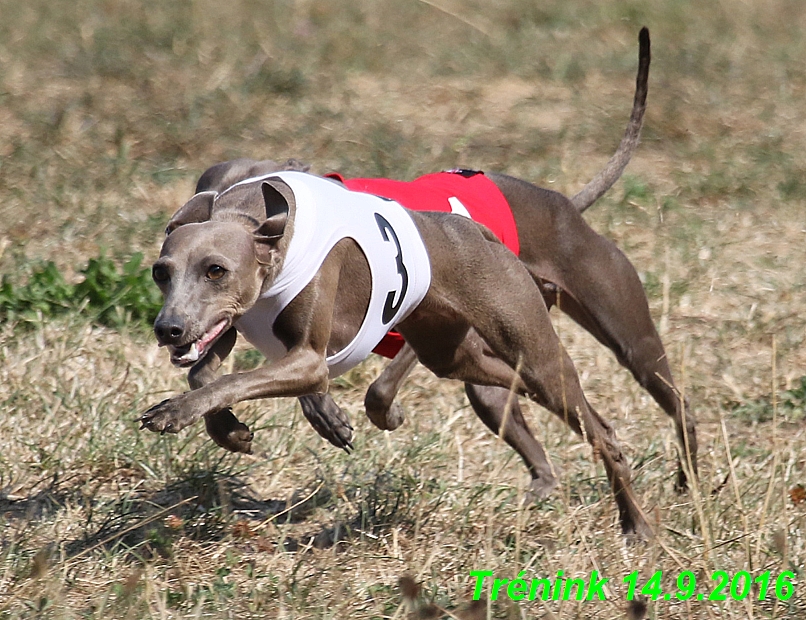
pixel 273 228
pixel 220 176
pixel 195 210
pixel 297 165
pixel 226 174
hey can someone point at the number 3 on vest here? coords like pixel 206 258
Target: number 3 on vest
pixel 390 308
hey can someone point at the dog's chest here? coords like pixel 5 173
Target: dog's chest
pixel 325 214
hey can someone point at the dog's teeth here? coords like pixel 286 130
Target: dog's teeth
pixel 193 354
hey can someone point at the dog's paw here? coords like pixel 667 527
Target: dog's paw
pixel 169 416
pixel 681 481
pixel 540 488
pixel 328 419
pixel 637 532
pixel 229 432
pixel 389 419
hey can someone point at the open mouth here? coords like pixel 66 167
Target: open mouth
pixel 190 353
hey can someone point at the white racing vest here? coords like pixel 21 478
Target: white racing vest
pixel 326 213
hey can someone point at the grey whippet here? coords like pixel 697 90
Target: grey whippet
pixel 225 251
pixel 575 268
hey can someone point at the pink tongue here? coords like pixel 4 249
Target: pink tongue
pixel 205 340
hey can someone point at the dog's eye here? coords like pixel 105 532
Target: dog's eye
pixel 160 273
pixel 215 272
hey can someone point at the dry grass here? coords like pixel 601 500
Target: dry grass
pixel 108 112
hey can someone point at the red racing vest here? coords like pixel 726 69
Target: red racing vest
pixel 465 192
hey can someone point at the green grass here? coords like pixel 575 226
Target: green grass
pixel 110 110
pixel 106 295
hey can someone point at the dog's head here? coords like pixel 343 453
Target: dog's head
pixel 221 252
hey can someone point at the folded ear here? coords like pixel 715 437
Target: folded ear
pixel 276 197
pixel 297 165
pixel 221 176
pixel 195 210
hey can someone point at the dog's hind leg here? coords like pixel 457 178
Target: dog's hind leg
pixel 593 282
pixel 501 413
pixel 486 287
pixel 638 347
pixel 602 293
pixel 548 377
pixel 489 404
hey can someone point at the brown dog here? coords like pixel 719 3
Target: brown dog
pixel 231 258
pixel 226 260
pixel 582 273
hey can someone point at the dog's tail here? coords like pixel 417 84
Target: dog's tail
pixel 613 169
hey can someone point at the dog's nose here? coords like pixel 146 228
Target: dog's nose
pixel 169 330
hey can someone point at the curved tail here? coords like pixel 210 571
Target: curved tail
pixel 615 166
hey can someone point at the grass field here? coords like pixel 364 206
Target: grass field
pixel 109 111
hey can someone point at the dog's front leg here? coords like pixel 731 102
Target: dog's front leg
pixel 328 419
pixel 305 329
pixel 222 426
pixel 302 371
